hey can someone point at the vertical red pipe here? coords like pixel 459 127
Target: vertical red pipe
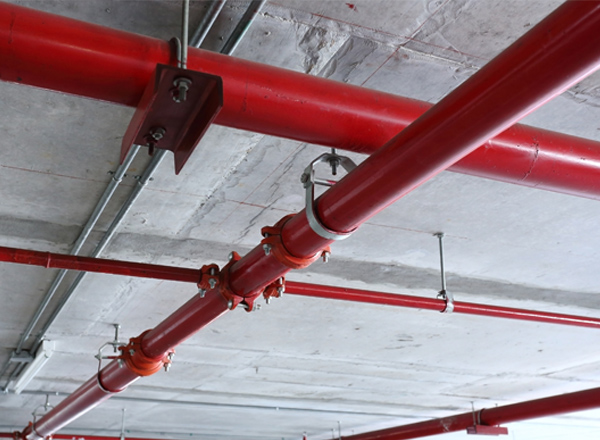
pixel 549 406
pixel 557 53
pixel 59 53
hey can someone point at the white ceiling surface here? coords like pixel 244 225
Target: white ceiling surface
pixel 302 364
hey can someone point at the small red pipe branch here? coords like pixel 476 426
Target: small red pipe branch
pixel 66 55
pixel 171 273
pixel 99 265
pixel 549 406
pixel 416 302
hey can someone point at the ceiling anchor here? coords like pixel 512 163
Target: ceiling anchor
pixel 309 181
pixel 444 293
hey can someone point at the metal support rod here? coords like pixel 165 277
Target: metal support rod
pixel 440 236
pixel 99 265
pixel 185 31
pixel 122 437
pixel 100 57
pixel 549 406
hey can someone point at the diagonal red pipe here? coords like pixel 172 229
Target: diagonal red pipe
pixel 555 54
pixel 67 55
pixel 548 406
pixel 171 273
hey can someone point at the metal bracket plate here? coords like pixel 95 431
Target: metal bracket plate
pixel 174 112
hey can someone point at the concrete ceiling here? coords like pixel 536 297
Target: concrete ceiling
pixel 302 364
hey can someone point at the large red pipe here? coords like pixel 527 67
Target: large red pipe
pixel 171 273
pixel 549 406
pixel 66 55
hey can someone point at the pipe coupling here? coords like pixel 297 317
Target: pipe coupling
pixel 273 244
pixel 136 360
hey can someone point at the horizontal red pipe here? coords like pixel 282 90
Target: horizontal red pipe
pixel 71 56
pixel 99 265
pixel 416 302
pixel 549 406
pixel 118 267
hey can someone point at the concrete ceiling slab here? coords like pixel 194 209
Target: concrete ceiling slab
pixel 302 364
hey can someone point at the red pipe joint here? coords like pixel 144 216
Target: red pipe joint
pixel 274 243
pixel 138 362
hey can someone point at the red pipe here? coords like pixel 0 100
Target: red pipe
pixel 416 302
pixel 99 265
pixel 71 56
pixel 171 273
pixel 549 406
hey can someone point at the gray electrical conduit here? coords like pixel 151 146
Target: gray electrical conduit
pixel 231 44
pixel 85 232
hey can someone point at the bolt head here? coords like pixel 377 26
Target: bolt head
pixel 212 283
pixel 201 292
pixel 230 256
pixel 326 256
pixel 230 304
pixel 267 248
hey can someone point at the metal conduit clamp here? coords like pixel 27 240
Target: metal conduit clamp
pixel 309 181
pixel 272 244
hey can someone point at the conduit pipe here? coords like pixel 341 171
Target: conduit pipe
pixel 66 55
pixel 171 273
pixel 555 54
pixel 548 406
pixel 83 236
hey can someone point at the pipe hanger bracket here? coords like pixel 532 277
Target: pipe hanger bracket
pixel 309 181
